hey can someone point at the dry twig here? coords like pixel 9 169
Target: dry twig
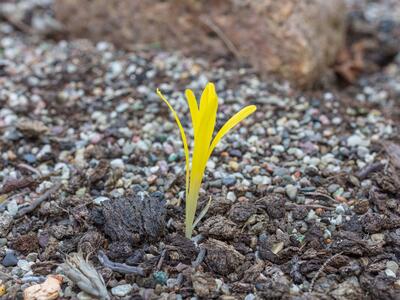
pixel 199 259
pixel 312 206
pixel 162 257
pixel 118 267
pixel 372 168
pixel 218 31
pixel 320 195
pixel 39 200
pixel 328 261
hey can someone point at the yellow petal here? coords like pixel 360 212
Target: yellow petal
pixel 194 109
pixel 232 122
pixel 183 137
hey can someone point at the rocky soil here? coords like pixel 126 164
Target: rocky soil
pixel 305 192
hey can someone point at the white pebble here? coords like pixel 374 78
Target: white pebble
pixel 121 290
pixel 117 163
pixel 231 196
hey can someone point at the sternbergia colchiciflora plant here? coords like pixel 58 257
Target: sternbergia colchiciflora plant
pixel 204 117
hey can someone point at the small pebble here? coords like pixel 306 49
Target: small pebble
pixel 333 188
pixel 258 179
pixel 281 172
pixel 377 237
pixel 10 260
pixel 291 191
pixel 311 215
pixel 29 158
pixel 250 297
pixel 160 277
pixel 229 180
pixel 356 140
pixel 340 209
pixel 121 290
pixel 233 165
pixel 100 199
pixel 392 265
pixel 235 153
pixel 32 257
pixel 117 163
pixel 128 149
pixel 3 242
pixel 311 171
pixel 24 265
pixel 12 207
pixel 231 196
pixel 390 273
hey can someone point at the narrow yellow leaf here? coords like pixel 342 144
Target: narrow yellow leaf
pixel 202 140
pixel 193 107
pixel 183 137
pixel 202 213
pixel 232 122
pixel 208 116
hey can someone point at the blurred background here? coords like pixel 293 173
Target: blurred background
pixel 301 41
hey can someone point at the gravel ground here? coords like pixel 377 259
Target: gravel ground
pixel 305 191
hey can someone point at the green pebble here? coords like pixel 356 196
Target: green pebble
pixel 300 238
pixel 172 157
pixel 160 277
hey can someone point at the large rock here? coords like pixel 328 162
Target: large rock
pixel 294 39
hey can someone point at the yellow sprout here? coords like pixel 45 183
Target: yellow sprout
pixel 203 122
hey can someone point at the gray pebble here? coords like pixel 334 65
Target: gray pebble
pixel 229 180
pixel 3 242
pixel 32 257
pixel 215 183
pixel 117 163
pixel 356 140
pixel 311 171
pixel 333 188
pixel 29 158
pixel 121 290
pixel 390 273
pixel 12 207
pixel 24 265
pixel 392 265
pixel 250 297
pixel 362 152
pixel 10 260
pixel 100 199
pixel 291 191
pixel 235 153
pixel 128 148
pixel 281 172
pixel 258 179
pixel 6 221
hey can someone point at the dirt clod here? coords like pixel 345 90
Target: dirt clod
pixel 26 243
pixel 222 258
pixel 241 211
pixel 134 219
pixel 204 285
pixel 219 227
